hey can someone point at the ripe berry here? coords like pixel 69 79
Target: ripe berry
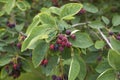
pixel 15 66
pixel 118 37
pixel 111 33
pixel 54 77
pixel 68 32
pixel 56 47
pixel 19 45
pixel 82 11
pixel 61 48
pixel 52 47
pixel 10 25
pixel 73 36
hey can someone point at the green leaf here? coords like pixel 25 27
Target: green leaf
pixel 115 44
pixel 90 8
pixel 3 73
pixel 109 74
pixel 35 23
pixel 82 40
pixel 19 27
pixel 96 24
pixel 52 63
pixel 105 20
pixel 40 32
pixel 115 29
pixel 39 53
pixel 83 71
pixel 21 5
pixel 55 10
pixel 99 44
pixel 26 66
pixel 4 60
pixel 9 6
pixel 116 20
pixel 102 66
pixel 47 19
pixel 74 69
pixel 2 13
pixel 69 10
pixel 114 59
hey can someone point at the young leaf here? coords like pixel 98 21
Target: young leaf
pixel 114 59
pixel 39 53
pixel 90 8
pixel 74 69
pixel 47 19
pixel 4 60
pixel 105 20
pixel 116 20
pixel 115 44
pixel 69 10
pixel 37 33
pixel 21 5
pixel 36 21
pixel 82 40
pixel 9 6
pixel 3 73
pixel 109 74
pixel 96 24
pixel 99 44
pixel 26 66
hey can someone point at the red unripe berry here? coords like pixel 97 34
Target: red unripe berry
pixel 68 32
pixel 73 36
pixel 60 36
pixel 15 66
pixel 52 47
pixel 82 11
pixel 59 41
pixel 63 44
pixel 65 39
pixel 61 48
pixel 45 62
pixel 68 44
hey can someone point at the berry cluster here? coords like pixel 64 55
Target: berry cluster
pixel 62 41
pixel 14 69
pixel 10 25
pixel 44 62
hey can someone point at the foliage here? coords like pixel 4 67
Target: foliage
pixel 59 39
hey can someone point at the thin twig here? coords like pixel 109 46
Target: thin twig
pixel 105 38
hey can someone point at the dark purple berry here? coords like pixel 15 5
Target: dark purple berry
pixel 58 78
pixel 19 45
pixel 54 77
pixel 111 33
pixel 73 36
pixel 56 47
pixel 68 32
pixel 118 37
pixel 82 11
